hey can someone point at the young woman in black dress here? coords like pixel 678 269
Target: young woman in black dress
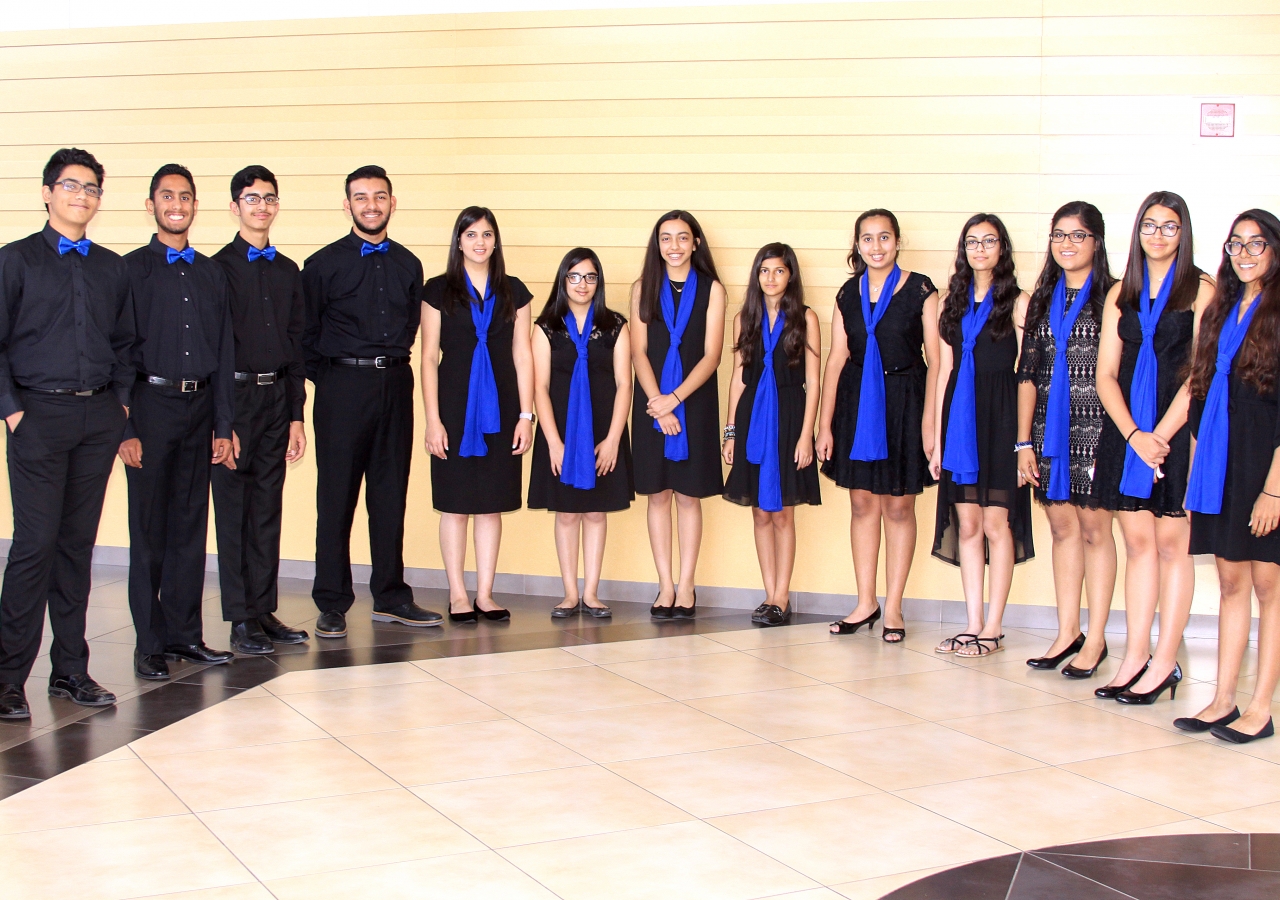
pixel 581 453
pixel 773 402
pixel 984 506
pixel 882 481
pixel 1144 453
pixel 675 427
pixel 1067 302
pixel 1243 414
pixel 479 417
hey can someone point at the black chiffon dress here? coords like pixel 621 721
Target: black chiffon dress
pixel 476 485
pixel 700 475
pixel 900 335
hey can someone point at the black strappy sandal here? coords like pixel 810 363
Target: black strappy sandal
pixel 952 644
pixel 886 633
pixel 983 649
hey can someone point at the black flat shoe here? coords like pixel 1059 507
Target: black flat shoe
pixel 1111 691
pixel 776 615
pixel 1052 662
pixel 470 615
pixel 281 633
pixel 331 624
pixel 1169 684
pixel 150 666
pixel 660 612
pixel 497 614
pixel 1074 671
pixel 686 612
pixel 80 690
pixel 597 612
pixel 843 627
pixel 410 614
pixel 1222 732
pixel 758 612
pixel 566 612
pixel 248 637
pixel 198 653
pixel 1199 726
pixel 13 702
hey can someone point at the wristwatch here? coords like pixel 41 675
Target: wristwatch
pixel 530 416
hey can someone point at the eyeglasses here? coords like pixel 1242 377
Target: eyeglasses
pixel 1077 237
pixel 255 199
pixel 578 278
pixel 1255 247
pixel 1168 229
pixel 990 242
pixel 71 186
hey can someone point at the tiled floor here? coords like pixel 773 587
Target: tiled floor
pixel 715 762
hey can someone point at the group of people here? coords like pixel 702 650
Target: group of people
pixel 1085 392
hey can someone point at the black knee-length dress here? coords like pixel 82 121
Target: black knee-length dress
pixel 613 491
pixel 900 335
pixel 798 486
pixel 476 485
pixel 700 475
pixel 996 394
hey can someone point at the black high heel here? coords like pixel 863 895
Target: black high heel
pixel 843 627
pixel 1052 662
pixel 1191 723
pixel 685 612
pixel 1070 670
pixel 1111 691
pixel 660 612
pixel 1170 684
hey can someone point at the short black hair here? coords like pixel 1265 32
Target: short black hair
pixel 71 156
pixel 248 175
pixel 170 169
pixel 367 172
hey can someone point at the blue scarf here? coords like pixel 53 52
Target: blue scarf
pixel 578 468
pixel 1209 467
pixel 961 455
pixel 676 446
pixel 1057 418
pixel 1138 476
pixel 483 416
pixel 870 441
pixel 762 433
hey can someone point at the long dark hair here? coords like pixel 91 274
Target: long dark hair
pixel 1186 277
pixel 750 320
pixel 1042 296
pixel 557 305
pixel 456 295
pixel 1259 355
pixel 856 263
pixel 655 269
pixel 1004 284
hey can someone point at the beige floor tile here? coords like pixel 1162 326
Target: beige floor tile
pixel 332 833
pixel 556 691
pixel 634 732
pixel 1041 807
pixel 253 693
pixel 1017 645
pixel 272 773
pixel 116 755
pixel 338 679
pixel 1250 820
pixel 90 795
pixel 641 866
pixel 455 667
pixel 938 696
pixel 848 660
pixel 875 888
pixel 894 759
pixel 1182 826
pixel 1197 778
pixel 689 677
pixel 795 713
pixel 118 860
pixel 468 876
pixel 814 894
pixel 757 638
pixel 1190 700
pixel 862 837
pixel 392 707
pixel 462 752
pixel 254 891
pixel 1052 682
pixel 225 725
pixel 744 779
pixel 1199 659
pixel 655 648
pixel 548 806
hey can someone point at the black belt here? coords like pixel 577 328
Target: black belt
pixel 261 377
pixel 376 362
pixel 186 385
pixel 68 392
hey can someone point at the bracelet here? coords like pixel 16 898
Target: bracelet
pixel 1021 445
pixel 1136 429
pixel 1269 494
pixel 730 432
pixel 527 415
pixel 677 396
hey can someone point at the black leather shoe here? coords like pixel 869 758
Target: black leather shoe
pixel 1223 733
pixel 660 612
pixel 81 690
pixel 1191 723
pixel 331 624
pixel 1112 691
pixel 13 702
pixel 1071 670
pixel 198 653
pixel 566 612
pixel 775 615
pixel 758 612
pixel 410 614
pixel 150 666
pixel 686 612
pixel 1170 684
pixel 597 612
pixel 281 633
pixel 248 637
pixel 1052 662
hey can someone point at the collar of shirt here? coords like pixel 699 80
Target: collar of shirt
pixel 52 235
pixel 242 246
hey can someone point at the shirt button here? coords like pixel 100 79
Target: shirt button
pixel 188 353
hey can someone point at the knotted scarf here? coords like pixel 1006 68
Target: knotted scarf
pixel 961 455
pixel 579 466
pixel 1138 477
pixel 483 416
pixel 676 446
pixel 870 441
pixel 1057 418
pixel 762 433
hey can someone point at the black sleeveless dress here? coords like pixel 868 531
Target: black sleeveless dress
pixel 613 491
pixel 996 393
pixel 1173 350
pixel 900 335
pixel 798 487
pixel 700 475
pixel 476 485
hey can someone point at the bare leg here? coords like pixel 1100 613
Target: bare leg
pixel 864 538
pixel 1235 615
pixel 568 526
pixel 1141 591
pixel 900 548
pixel 762 530
pixel 1068 573
pixel 453 548
pixel 1099 579
pixel 659 520
pixel 487 534
pixel 995 525
pixel 1177 588
pixel 973 564
pixel 594 526
pixel 689 526
pixel 784 555
pixel 1266 581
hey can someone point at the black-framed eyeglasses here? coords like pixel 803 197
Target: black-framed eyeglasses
pixel 578 278
pixel 71 186
pixel 1255 247
pixel 990 242
pixel 1077 237
pixel 1168 229
pixel 255 199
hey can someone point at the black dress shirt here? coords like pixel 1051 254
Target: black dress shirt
pixel 360 306
pixel 66 322
pixel 182 317
pixel 266 314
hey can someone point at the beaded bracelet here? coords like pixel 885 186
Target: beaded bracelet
pixel 730 432
pixel 1021 445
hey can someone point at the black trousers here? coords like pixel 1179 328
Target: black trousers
pixel 60 459
pixel 364 431
pixel 247 503
pixel 169 515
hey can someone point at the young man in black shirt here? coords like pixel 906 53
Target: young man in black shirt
pixel 363 300
pixel 266 315
pixel 183 403
pixel 66 331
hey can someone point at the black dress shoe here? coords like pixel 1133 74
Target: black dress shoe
pixel 81 690
pixel 497 614
pixel 1112 691
pixel 758 613
pixel 1170 684
pixel 686 612
pixel 1071 670
pixel 198 653
pixel 248 637
pixel 150 666
pixel 331 624
pixel 281 633
pixel 597 612
pixel 13 702
pixel 1191 723
pixel 1052 662
pixel 775 615
pixel 410 614
pixel 1222 732
pixel 562 612
pixel 660 612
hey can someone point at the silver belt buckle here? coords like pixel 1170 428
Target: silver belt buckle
pixel 188 385
pixel 379 362
pixel 84 393
pixel 269 378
